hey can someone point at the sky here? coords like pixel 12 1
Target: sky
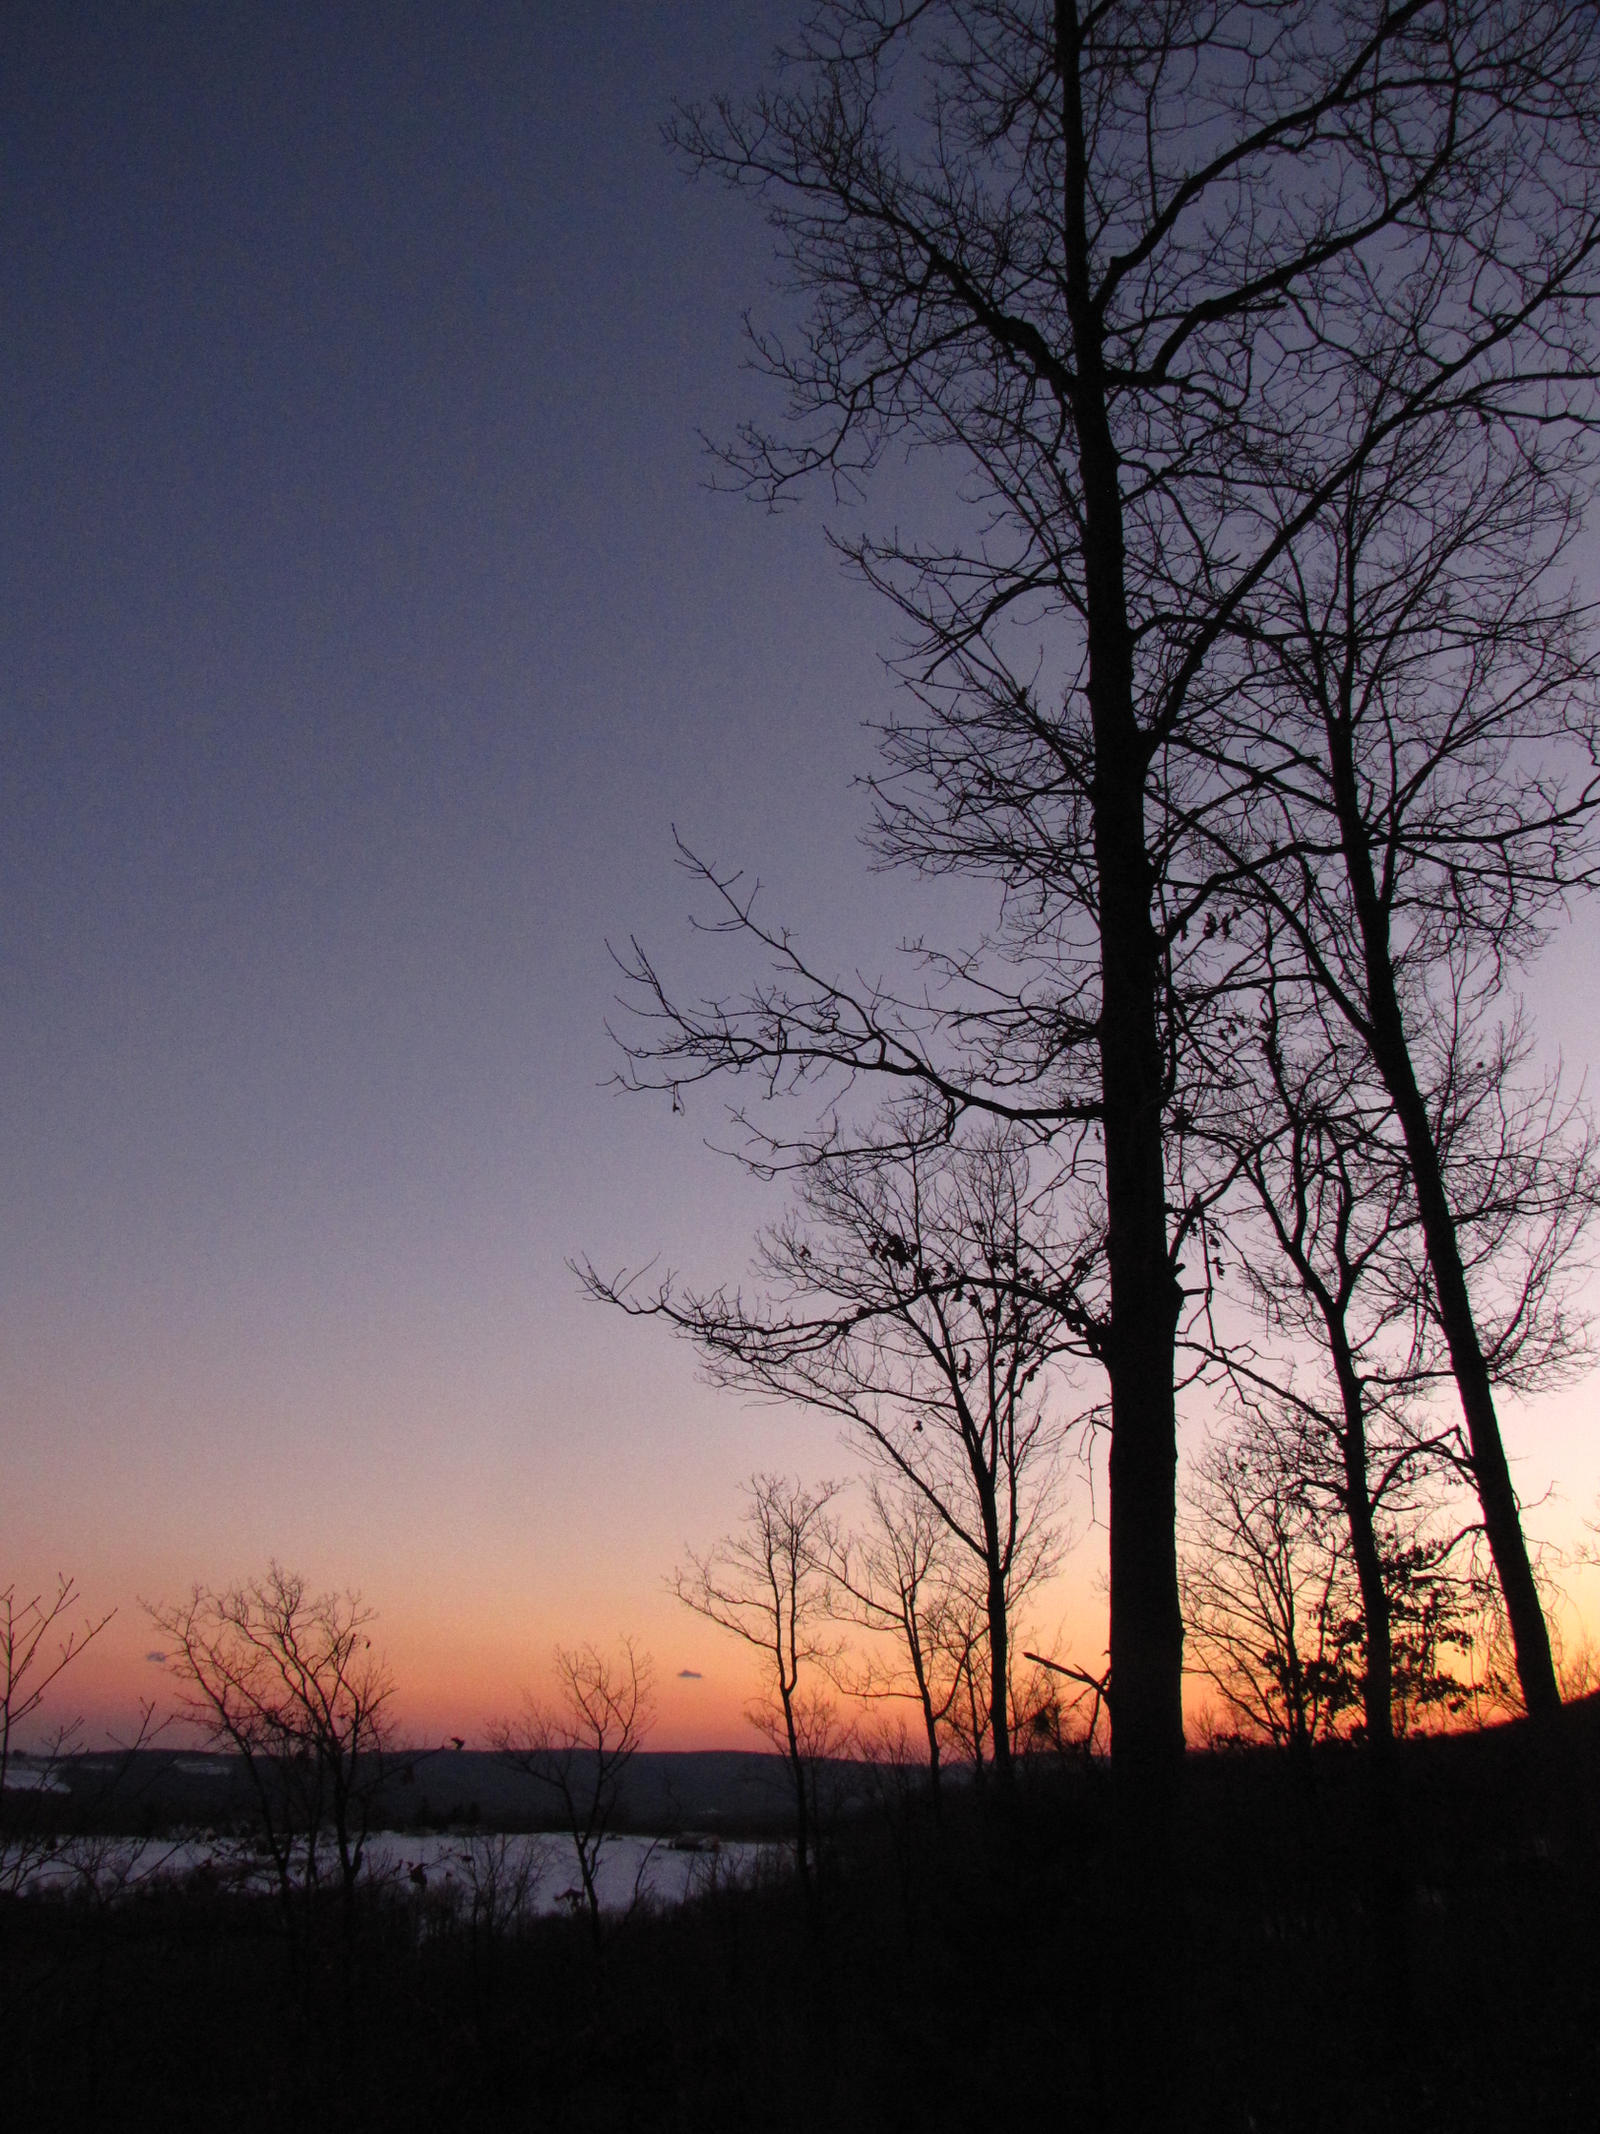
pixel 370 626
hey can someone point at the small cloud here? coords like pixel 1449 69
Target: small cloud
pixel 690 1674
pixel 156 1659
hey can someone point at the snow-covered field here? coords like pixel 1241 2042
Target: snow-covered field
pixel 515 1873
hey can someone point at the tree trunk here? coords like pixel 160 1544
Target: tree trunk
pixel 1391 1053
pixel 935 1769
pixel 1377 1685
pixel 930 1724
pixel 1146 1619
pixel 999 1676
pixel 1146 1628
pixel 802 1804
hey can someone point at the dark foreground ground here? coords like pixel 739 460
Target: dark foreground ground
pixel 949 1976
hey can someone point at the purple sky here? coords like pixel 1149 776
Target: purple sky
pixel 368 626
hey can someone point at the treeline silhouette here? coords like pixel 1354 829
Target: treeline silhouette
pixel 928 1934
pixel 937 1963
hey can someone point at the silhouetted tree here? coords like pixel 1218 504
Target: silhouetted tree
pixel 288 1680
pixel 39 1639
pixel 1335 1206
pixel 1413 748
pixel 768 1585
pixel 902 1582
pixel 1278 1622
pixel 918 1292
pixel 1136 272
pixel 578 1748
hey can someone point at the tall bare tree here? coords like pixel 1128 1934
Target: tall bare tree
pixel 1135 272
pixel 1414 745
pixel 1332 1262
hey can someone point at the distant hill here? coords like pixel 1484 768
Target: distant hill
pixel 730 1790
pixel 707 1789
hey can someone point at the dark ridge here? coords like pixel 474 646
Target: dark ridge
pixel 732 1791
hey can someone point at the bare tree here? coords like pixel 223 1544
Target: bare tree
pixel 768 1585
pixel 1413 742
pixel 39 1640
pixel 1277 1619
pixel 288 1679
pixel 579 1747
pixel 1135 273
pixel 902 1583
pixel 918 1293
pixel 502 1875
pixel 1266 1595
pixel 1334 1204
pixel 1333 1263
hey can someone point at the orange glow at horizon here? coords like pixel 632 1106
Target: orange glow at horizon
pixel 448 1682
pixel 458 1678
pixel 472 1592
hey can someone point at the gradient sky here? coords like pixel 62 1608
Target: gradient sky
pixel 367 627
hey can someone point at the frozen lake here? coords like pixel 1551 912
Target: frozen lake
pixel 440 1864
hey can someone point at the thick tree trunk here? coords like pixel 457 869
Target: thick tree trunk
pixel 1146 1698
pixel 1146 1620
pixel 1391 1052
